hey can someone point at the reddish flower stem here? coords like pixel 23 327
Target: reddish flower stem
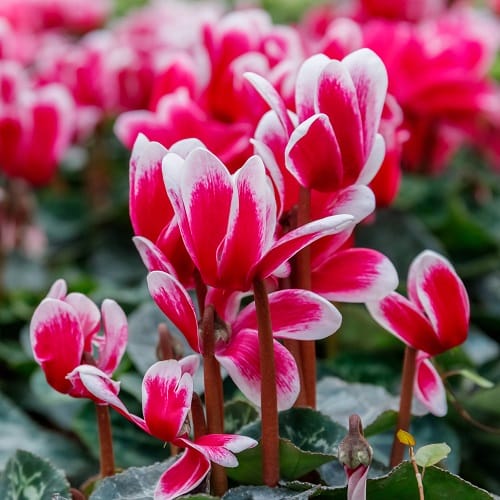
pixel 302 279
pixel 201 291
pixel 198 417
pixel 107 460
pixel 268 396
pixel 214 401
pixel 404 415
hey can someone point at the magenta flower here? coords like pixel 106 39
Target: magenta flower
pixel 167 390
pixel 434 319
pixel 295 314
pixel 228 222
pixel 65 332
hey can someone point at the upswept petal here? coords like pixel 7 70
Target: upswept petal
pixel 206 190
pixel 219 448
pixel 150 208
pixel 58 290
pixel 273 99
pixel 313 156
pixel 295 314
pixel 171 297
pixel 405 321
pixel 436 288
pixel 429 388
pixel 240 357
pixel 184 475
pixel 296 240
pixel 355 275
pixel 226 303
pixel 57 341
pixel 370 80
pixel 373 162
pixel 152 256
pixel 88 315
pixel 190 364
pixel 114 342
pixel 337 98
pixel 251 225
pixel 166 399
pixel 306 84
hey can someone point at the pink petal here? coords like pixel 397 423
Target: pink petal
pixel 307 83
pixel 296 240
pixel 88 315
pixel 152 256
pixel 429 388
pixel 58 290
pixel 171 297
pixel 313 155
pixel 240 357
pixel 206 191
pixel 405 321
pixel 57 341
pixel 184 475
pixel 295 314
pixel 356 483
pixel 436 288
pixel 190 364
pixel 226 303
pixel 150 208
pixel 166 399
pixel 355 275
pixel 112 346
pixel 251 225
pixel 337 98
pixel 219 448
pixel 370 79
pixel 374 161
pixel 271 96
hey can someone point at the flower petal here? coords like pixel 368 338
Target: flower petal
pixel 57 341
pixel 296 240
pixel 251 225
pixel 313 155
pixel 58 290
pixel 166 399
pixel 356 483
pixel 241 360
pixel 171 297
pixel 152 256
pixel 88 315
pixel 295 314
pixel 434 285
pixel 429 388
pixel 150 208
pixel 112 346
pixel 405 321
pixel 355 275
pixel 184 475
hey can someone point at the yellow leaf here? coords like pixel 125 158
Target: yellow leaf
pixel 405 438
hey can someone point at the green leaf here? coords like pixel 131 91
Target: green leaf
pixel 27 476
pixel 238 413
pixel 136 483
pixel 431 454
pixel 264 492
pixel 476 378
pixel 18 431
pixel 308 439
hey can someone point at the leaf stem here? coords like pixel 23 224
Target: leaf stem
pixel 107 460
pixel 268 396
pixel 417 475
pixel 404 415
pixel 213 393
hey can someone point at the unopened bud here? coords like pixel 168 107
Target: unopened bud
pixel 354 450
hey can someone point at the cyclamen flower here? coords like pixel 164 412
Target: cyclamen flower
pixel 228 222
pixel 295 314
pixel 433 320
pixel 64 334
pixel 167 390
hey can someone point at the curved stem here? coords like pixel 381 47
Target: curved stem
pixel 268 396
pixel 107 460
pixel 213 393
pixel 404 415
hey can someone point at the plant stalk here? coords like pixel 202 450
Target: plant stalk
pixel 213 393
pixel 107 460
pixel 268 396
pixel 404 415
